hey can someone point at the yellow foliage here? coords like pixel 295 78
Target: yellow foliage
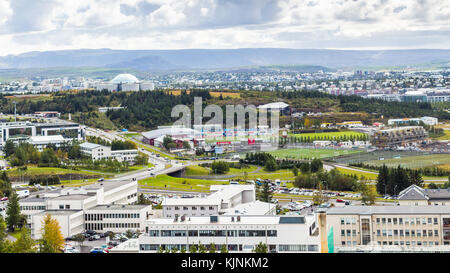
pixel 52 235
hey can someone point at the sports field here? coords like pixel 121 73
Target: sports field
pixel 414 162
pixel 331 135
pixel 305 153
pixel 169 182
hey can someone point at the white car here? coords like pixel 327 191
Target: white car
pixel 71 249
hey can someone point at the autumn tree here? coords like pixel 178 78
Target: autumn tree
pixel 52 238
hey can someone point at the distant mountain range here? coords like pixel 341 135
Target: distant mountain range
pixel 225 59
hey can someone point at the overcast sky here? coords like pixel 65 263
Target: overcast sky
pixel 29 25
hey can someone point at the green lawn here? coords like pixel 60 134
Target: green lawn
pixel 414 162
pixel 304 153
pixel 197 170
pixel 330 135
pixel 360 174
pixel 46 170
pixel 165 181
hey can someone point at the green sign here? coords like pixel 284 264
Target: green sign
pixel 330 241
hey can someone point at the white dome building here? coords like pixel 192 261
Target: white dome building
pixel 126 82
pixel 124 78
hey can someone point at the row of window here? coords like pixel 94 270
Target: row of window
pixel 187 208
pixel 407 232
pixel 101 216
pixel 101 226
pixel 408 243
pixel 131 195
pixel 211 233
pixel 32 207
pixel 281 248
pixel 348 232
pixel 408 221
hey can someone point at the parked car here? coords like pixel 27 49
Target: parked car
pixel 71 249
pixel 100 179
pixel 340 201
pixel 98 250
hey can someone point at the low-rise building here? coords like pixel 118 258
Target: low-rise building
pixel 97 152
pixel 417 196
pixel 239 233
pixel 399 136
pixel 406 226
pixel 224 199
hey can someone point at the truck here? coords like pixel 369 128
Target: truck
pixel 23 193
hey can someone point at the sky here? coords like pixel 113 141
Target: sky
pixel 41 25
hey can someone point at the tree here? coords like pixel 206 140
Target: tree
pixel 167 141
pixel 383 179
pixel 3 235
pixel 316 165
pixel 142 200
pixel 368 193
pixel 193 249
pixel 9 148
pixel 13 212
pixel 271 165
pixel 295 171
pixel 24 244
pixel 201 248
pixel 212 248
pixel 264 193
pixel 224 249
pixel 79 238
pixel 415 178
pixel 52 238
pixel 260 248
pixel 186 145
pixel 319 197
pixel 220 167
pixel 183 249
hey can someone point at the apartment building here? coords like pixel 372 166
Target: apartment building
pixel 239 233
pixel 404 226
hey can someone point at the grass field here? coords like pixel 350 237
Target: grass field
pixel 330 135
pixel 414 162
pixel 165 181
pixel 46 170
pixel 304 153
pixel 360 174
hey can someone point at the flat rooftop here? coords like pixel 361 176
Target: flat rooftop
pixel 251 208
pixel 73 197
pixel 228 220
pixel 119 207
pixel 368 210
pixel 58 212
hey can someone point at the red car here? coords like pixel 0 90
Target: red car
pixel 4 199
pixel 340 201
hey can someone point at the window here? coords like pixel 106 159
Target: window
pixel 185 208
pixel 406 232
pixel 400 221
pixel 435 221
pixel 424 233
pixel 61 206
pixel 342 221
pixel 378 232
pixel 383 220
pixel 395 232
pixel 271 233
pixel 395 221
pixel 430 221
pixel 193 233
pixel 211 208
pixel 378 220
pixel 389 220
pixel 342 232
pixel 436 233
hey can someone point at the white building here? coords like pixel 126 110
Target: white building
pixel 224 199
pixel 426 120
pixel 23 131
pixel 106 202
pixel 40 142
pixel 125 82
pixel 97 152
pixel 284 234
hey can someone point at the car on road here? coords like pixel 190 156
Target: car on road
pixel 100 179
pixel 98 249
pixel 70 249
pixel 4 199
pixel 340 201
